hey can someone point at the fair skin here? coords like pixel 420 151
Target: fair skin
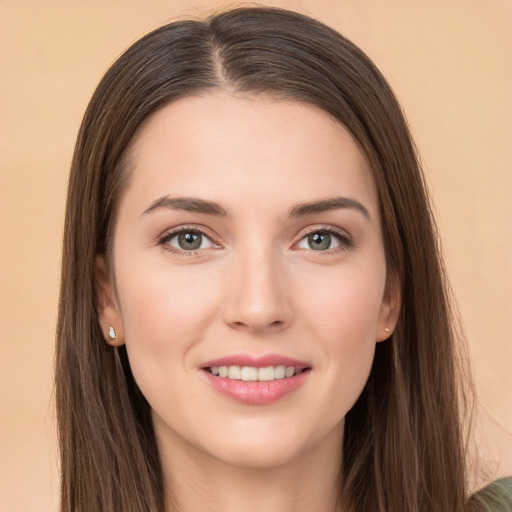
pixel 311 286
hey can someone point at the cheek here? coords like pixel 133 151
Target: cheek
pixel 346 308
pixel 158 300
pixel 163 313
pixel 344 320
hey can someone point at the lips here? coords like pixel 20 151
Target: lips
pixel 258 362
pixel 255 380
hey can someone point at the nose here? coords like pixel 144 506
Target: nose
pixel 257 293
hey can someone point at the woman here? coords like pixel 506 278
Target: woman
pixel 253 310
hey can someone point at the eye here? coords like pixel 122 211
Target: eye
pixel 186 240
pixel 325 240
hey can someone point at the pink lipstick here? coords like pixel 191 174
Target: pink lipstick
pixel 255 380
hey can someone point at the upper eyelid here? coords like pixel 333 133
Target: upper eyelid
pixel 170 233
pixel 303 231
pixel 319 228
pixel 189 227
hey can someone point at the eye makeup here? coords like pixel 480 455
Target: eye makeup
pixel 190 240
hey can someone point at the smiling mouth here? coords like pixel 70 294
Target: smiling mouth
pixel 255 374
pixel 256 380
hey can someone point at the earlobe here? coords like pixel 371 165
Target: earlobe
pixel 390 308
pixel 109 316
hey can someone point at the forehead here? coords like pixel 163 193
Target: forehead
pixel 223 147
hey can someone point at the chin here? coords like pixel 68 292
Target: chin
pixel 273 447
pixel 252 456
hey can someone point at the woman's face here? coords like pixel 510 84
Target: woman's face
pixel 248 238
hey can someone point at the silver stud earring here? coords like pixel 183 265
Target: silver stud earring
pixel 385 328
pixel 112 333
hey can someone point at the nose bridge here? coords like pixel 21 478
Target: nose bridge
pixel 257 292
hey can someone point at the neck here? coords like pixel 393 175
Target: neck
pixel 196 481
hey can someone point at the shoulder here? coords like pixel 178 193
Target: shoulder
pixel 495 497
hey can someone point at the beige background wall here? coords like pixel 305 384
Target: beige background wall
pixel 450 64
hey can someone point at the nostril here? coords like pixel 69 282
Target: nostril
pixel 251 325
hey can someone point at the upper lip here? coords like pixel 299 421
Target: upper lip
pixel 256 361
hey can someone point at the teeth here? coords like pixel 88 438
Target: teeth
pixel 234 372
pixel 266 373
pixel 250 373
pixel 290 370
pixel 280 371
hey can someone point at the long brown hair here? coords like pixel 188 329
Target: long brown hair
pixel 404 442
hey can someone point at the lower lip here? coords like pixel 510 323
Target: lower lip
pixel 256 392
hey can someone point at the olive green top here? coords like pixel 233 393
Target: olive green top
pixel 495 497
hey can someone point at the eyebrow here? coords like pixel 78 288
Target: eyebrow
pixel 327 205
pixel 189 204
pixel 196 205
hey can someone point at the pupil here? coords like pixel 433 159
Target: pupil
pixel 319 241
pixel 189 241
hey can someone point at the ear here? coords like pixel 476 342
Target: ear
pixel 106 304
pixel 390 308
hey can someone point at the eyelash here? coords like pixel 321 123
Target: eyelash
pixel 344 239
pixel 174 232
